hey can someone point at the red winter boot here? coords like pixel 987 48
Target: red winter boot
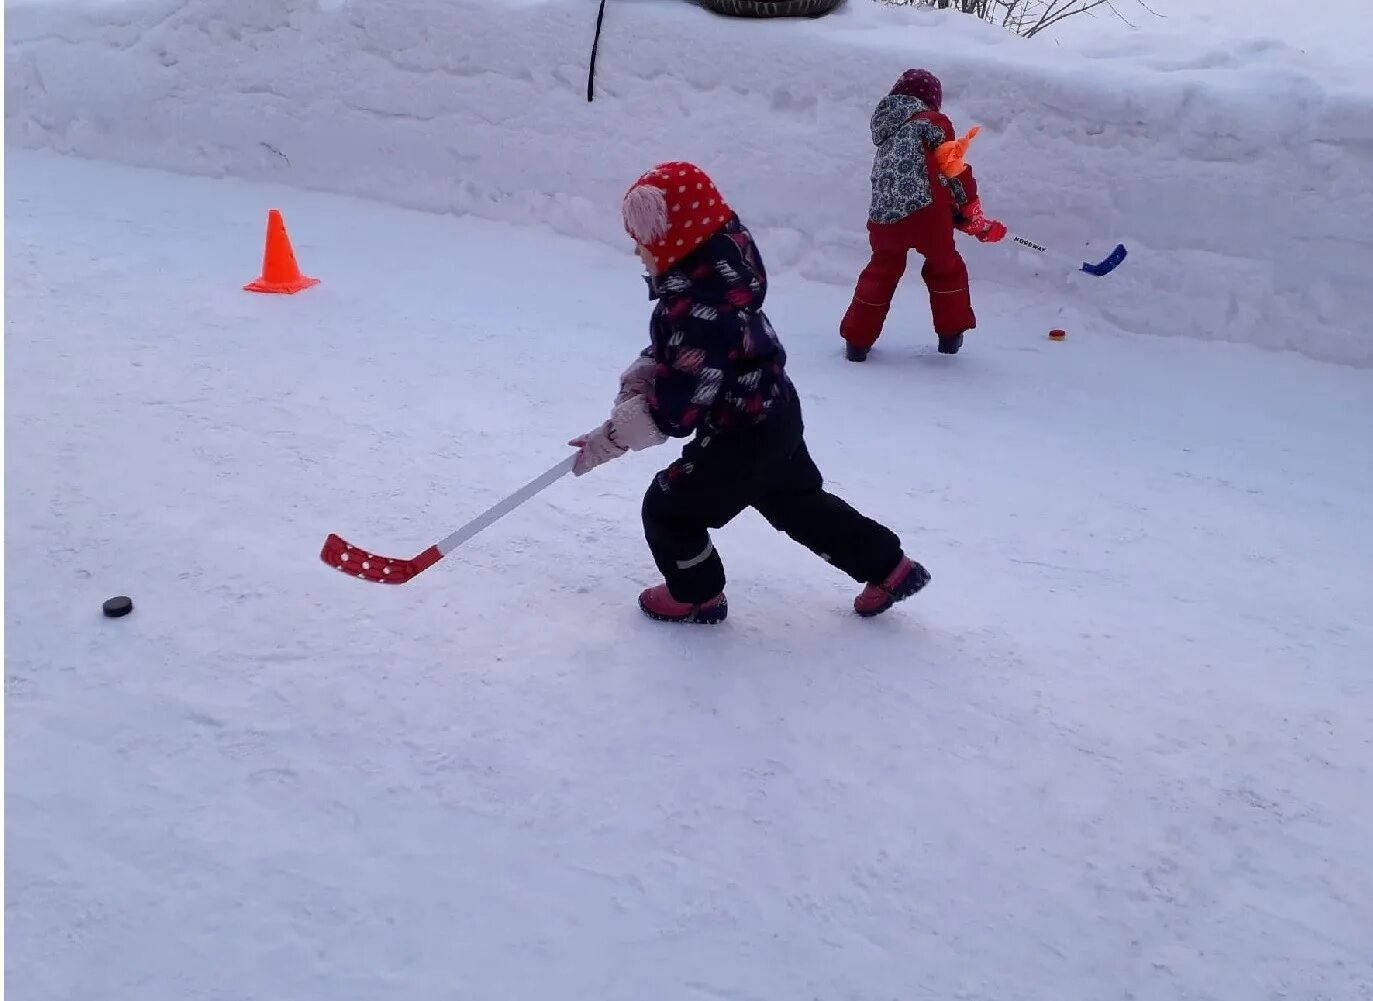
pixel 658 603
pixel 901 583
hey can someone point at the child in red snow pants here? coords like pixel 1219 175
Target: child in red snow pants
pixel 929 231
pixel 921 191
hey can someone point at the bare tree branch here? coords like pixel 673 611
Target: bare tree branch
pixel 1026 18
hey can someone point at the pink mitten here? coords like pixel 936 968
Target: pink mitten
pixel 631 426
pixel 637 380
pixel 594 448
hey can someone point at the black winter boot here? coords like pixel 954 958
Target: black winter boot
pixel 950 343
pixel 855 353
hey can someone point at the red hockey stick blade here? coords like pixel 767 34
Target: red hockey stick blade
pixel 359 563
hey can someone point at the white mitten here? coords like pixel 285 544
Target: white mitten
pixel 637 380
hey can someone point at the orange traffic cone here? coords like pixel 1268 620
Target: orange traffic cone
pixel 280 273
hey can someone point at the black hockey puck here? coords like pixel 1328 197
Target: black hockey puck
pixel 117 606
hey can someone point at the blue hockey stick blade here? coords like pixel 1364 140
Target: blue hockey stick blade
pixel 1108 264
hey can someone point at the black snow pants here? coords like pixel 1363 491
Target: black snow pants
pixel 766 467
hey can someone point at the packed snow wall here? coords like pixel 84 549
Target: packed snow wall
pixel 1240 179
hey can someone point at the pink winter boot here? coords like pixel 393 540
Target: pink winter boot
pixel 658 603
pixel 901 583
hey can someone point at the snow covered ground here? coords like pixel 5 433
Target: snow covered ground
pixel 1119 748
pixel 1239 172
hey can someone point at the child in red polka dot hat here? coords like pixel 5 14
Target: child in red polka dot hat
pixel 715 372
pixel 672 210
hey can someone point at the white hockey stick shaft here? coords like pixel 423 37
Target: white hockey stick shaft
pixel 1100 269
pixel 500 509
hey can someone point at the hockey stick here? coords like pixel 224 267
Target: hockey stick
pixel 1107 264
pixel 359 563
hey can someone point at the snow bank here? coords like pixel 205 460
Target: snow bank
pixel 1331 35
pixel 1240 178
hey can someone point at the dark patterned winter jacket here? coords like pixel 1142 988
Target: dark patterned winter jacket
pixel 905 179
pixel 720 363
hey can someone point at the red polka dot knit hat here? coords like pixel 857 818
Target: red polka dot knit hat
pixel 672 210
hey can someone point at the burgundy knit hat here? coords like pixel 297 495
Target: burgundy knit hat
pixel 672 210
pixel 922 85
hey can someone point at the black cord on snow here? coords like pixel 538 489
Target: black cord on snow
pixel 595 44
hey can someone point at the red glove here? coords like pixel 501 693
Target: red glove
pixel 970 220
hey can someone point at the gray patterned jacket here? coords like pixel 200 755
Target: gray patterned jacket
pixel 906 131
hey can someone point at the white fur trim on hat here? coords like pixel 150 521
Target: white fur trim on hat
pixel 645 214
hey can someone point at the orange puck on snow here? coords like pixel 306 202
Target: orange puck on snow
pixel 1057 335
